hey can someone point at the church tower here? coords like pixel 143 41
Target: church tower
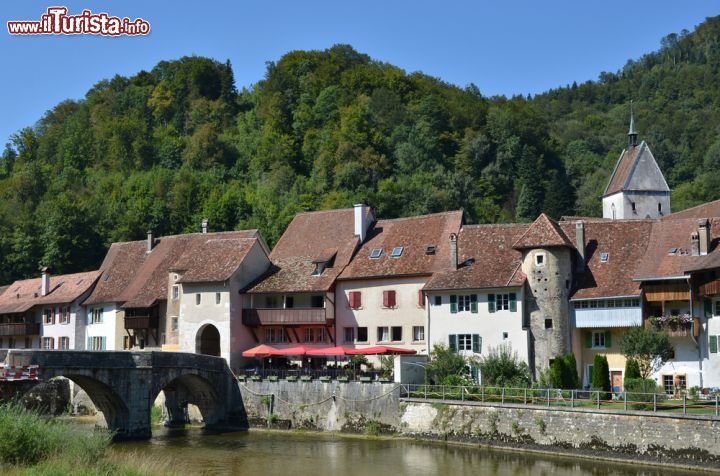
pixel 637 187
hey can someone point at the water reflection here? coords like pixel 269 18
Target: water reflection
pixel 303 454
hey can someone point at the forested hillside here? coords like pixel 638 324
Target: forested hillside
pixel 324 129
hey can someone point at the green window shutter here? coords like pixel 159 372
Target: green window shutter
pixel 473 303
pixel 608 339
pixel 453 342
pixel 590 369
pixel 89 343
pixel 103 342
pixel 453 303
pixel 89 316
pixel 588 339
pixel 513 302
pixel 708 308
pixel 713 344
pixel 476 343
pixel 101 318
pixel 491 303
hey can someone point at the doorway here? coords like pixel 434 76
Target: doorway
pixel 616 380
pixel 208 341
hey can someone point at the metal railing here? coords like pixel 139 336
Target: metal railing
pixel 557 398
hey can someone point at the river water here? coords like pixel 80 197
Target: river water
pixel 262 453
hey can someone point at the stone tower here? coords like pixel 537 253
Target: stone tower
pixel 548 264
pixel 637 187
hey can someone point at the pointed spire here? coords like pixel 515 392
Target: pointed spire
pixel 632 133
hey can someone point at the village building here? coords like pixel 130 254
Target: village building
pixel 295 302
pixel 379 295
pixel 46 312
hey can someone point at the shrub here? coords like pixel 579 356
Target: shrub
pixel 444 363
pixel 563 372
pixel 650 348
pixel 640 392
pixel 632 369
pixel 601 374
pixel 501 367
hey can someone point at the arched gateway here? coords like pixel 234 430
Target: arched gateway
pixel 208 341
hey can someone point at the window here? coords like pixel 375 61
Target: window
pixel 317 301
pixel 314 335
pixel 64 315
pixel 548 324
pixel 319 268
pixel 96 343
pixel 505 335
pixel 96 316
pixel 174 323
pixel 632 204
pixel 717 308
pixel 217 298
pixel 28 343
pixel 375 253
pixel 362 334
pixel 418 333
pixel 604 257
pixel 681 382
pixel 48 343
pixel 198 299
pixel 421 298
pixel 383 334
pixel 64 343
pixel 668 384
pixel 397 252
pixel 396 333
pixel 430 250
pixel 271 302
pixel 660 208
pixel 502 301
pixel 438 300
pixel 276 335
pixel 463 303
pixel 48 316
pixel 349 334
pixel 540 259
pixel 289 302
pixel 465 342
pixel 175 292
pixel 598 340
pixel 389 300
pixel 355 299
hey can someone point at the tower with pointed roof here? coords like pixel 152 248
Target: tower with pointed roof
pixel 637 187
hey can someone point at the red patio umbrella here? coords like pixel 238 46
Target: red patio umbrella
pixel 297 350
pixel 380 350
pixel 261 350
pixel 328 351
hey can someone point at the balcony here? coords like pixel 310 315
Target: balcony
pixel 710 288
pixel 284 317
pixel 141 322
pixel 675 326
pixel 20 329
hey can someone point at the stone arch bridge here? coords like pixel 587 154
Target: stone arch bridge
pixel 124 385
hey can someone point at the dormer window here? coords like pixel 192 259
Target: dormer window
pixel 319 268
pixel 430 250
pixel 604 257
pixel 397 252
pixel 375 253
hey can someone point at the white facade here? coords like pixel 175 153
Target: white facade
pixel 710 341
pixel 402 325
pixel 58 331
pixel 105 329
pixel 501 326
pixel 636 205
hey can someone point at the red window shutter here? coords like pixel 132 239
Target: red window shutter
pixel 355 300
pixel 388 298
pixel 421 299
pixel 392 298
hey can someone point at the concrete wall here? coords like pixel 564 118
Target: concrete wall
pixel 490 326
pixel 311 404
pixel 646 205
pixel 662 438
pixel 372 314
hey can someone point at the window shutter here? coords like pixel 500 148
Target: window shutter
pixel 89 343
pixel 491 302
pixel 708 308
pixel 588 339
pixel 713 344
pixel 513 302
pixel 473 303
pixel 476 343
pixel 103 343
pixel 391 298
pixel 453 304
pixel 101 318
pixel 89 316
pixel 608 339
pixel 453 342
pixel 421 299
pixel 388 298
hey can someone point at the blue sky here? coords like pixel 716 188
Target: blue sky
pixel 504 47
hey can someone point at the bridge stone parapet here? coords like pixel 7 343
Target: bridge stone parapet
pixel 124 385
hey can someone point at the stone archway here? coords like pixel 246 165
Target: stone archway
pixel 190 389
pixel 208 341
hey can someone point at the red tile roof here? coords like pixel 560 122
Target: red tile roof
pixel 622 170
pixel 118 269
pixel 706 210
pixel 214 260
pixel 543 233
pixel 495 263
pixel 311 237
pixel 414 235
pixel 24 294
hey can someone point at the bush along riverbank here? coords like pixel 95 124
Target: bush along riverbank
pixel 31 444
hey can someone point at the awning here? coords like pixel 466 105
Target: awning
pixel 328 351
pixel 380 350
pixel 297 350
pixel 261 350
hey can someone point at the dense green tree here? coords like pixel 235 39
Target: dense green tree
pixel 650 348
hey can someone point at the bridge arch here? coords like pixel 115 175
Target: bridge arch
pixel 207 340
pixel 189 388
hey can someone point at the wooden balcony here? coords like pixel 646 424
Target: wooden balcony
pixel 141 322
pixel 20 329
pixel 678 330
pixel 284 317
pixel 710 288
pixel 667 292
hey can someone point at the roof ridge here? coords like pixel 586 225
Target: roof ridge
pixel 669 217
pixel 448 212
pixel 543 220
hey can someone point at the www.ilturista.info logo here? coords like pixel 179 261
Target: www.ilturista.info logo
pixel 57 22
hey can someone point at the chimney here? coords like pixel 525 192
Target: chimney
pixel 580 243
pixel 695 239
pixel 360 221
pixel 453 251
pixel 150 241
pixel 704 236
pixel 205 225
pixel 44 282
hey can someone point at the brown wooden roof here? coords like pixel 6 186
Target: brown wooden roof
pixel 495 263
pixel 544 232
pixel 64 289
pixel 414 235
